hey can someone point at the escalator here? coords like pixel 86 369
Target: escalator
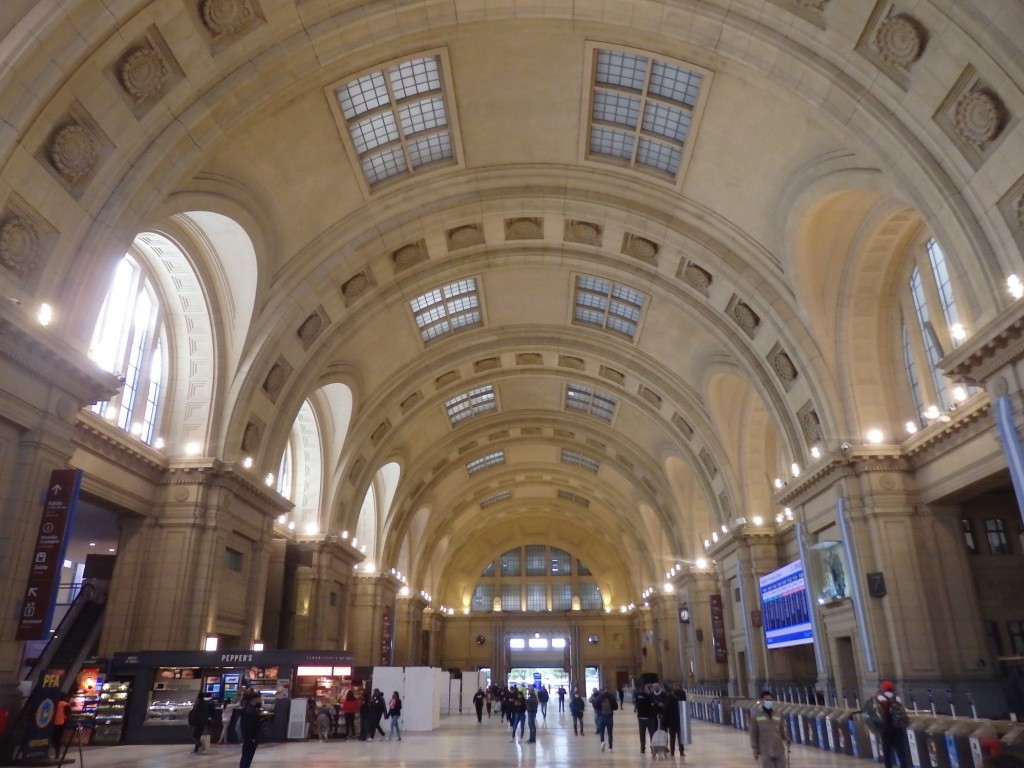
pixel 72 643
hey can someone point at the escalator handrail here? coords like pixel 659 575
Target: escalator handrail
pixel 88 594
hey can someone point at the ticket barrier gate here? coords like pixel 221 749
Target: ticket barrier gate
pixel 984 741
pixel 860 743
pixel 938 754
pixel 808 726
pixel 958 743
pixel 839 728
pixel 1013 740
pixel 793 728
pixel 917 741
pixel 822 728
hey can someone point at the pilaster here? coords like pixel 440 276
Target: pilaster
pixel 373 600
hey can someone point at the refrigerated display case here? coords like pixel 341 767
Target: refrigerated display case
pixel 108 727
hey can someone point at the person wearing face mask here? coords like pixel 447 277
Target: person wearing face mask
pixel 768 737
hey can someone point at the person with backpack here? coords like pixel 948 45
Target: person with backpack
pixel 889 719
pixel 542 697
pixel 646 714
pixel 606 704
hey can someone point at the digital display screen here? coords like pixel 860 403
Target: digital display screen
pixel 785 608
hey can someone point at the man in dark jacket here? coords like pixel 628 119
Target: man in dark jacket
pixel 478 704
pixel 377 709
pixel 250 726
pixel 646 717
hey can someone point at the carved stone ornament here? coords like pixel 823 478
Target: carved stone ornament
pixel 585 232
pixel 524 229
pixel 223 17
pixel 275 380
pixel 697 277
pixel 251 437
pixel 1020 212
pixel 745 316
pixel 979 117
pixel 900 40
pixel 784 367
pixel 73 151
pixel 463 237
pixel 641 248
pixel 20 248
pixel 144 72
pixel 311 327
pixel 355 286
pixel 811 426
pixel 408 255
pixel 814 5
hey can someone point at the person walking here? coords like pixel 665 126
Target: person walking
pixel 198 721
pixel 768 738
pixel 888 718
pixel 394 714
pixel 377 710
pixel 478 704
pixel 576 708
pixel 517 715
pixel 216 725
pixel 646 714
pixel 532 702
pixel 670 722
pixel 594 700
pixel 250 726
pixel 561 698
pixel 364 716
pixel 606 706
pixel 488 699
pixel 543 696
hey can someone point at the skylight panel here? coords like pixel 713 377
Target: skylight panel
pixel 573 497
pixel 471 403
pixel 398 119
pixel 608 305
pixel 448 308
pixel 587 400
pixel 580 460
pixel 494 499
pixel 485 462
pixel 641 110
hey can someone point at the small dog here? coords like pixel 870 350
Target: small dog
pixel 659 745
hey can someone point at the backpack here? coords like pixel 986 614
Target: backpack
pixel 608 706
pixel 898 717
pixel 195 716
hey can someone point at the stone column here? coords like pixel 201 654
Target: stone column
pixel 408 630
pixel 665 621
pixel 371 595
pixel 695 588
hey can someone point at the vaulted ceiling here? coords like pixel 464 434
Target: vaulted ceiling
pixel 806 168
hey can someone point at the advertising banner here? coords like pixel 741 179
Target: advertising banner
pixel 718 629
pixel 43 706
pixel 48 555
pixel 387 637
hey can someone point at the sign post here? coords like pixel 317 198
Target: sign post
pixel 48 555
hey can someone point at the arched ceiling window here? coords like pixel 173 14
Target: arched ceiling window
pixel 130 340
pixel 535 578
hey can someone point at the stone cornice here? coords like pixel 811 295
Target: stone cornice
pixel 100 437
pixel 51 359
pixel 226 475
pixel 995 345
pixel 966 422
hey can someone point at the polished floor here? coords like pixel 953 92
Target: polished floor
pixel 461 742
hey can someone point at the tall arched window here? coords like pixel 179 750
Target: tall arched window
pixel 930 330
pixel 130 340
pixel 536 578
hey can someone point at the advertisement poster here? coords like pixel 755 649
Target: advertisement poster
pixel 48 555
pixel 386 636
pixel 718 629
pixel 42 706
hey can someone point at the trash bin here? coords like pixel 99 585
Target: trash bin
pixel 917 738
pixel 938 755
pixel 958 743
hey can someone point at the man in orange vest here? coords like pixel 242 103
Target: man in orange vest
pixel 60 719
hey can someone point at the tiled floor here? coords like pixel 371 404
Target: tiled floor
pixel 462 743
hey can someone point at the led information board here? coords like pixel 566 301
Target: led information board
pixel 785 608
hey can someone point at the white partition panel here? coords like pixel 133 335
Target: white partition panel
pixel 421 706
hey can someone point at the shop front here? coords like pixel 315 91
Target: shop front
pixel 160 687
